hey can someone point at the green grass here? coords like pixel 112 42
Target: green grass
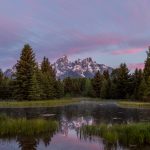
pixel 10 127
pixel 41 103
pixel 127 135
pixel 134 104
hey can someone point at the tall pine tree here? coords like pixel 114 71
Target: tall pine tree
pixel 47 68
pixel 121 79
pixel 49 83
pixel 25 75
pixel 97 83
pixel 137 79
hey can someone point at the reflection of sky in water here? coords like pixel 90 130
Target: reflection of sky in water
pixel 72 143
pixel 8 145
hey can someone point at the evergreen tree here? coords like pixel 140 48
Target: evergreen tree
pixel 105 89
pixel 97 83
pixel 147 66
pixel 122 81
pixel 137 79
pixel 48 86
pixel 76 87
pixel 113 90
pixel 49 80
pixel 82 82
pixel 68 86
pixel 59 89
pixel 34 89
pixel 25 71
pixel 142 89
pixel 113 87
pixel 6 87
pixel 88 90
pixel 147 90
pixel 47 68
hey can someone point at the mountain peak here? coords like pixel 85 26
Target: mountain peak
pixel 63 59
pixel 89 59
pixel 78 68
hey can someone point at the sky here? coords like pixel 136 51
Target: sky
pixel 109 31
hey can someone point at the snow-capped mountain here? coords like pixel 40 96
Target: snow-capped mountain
pixel 78 68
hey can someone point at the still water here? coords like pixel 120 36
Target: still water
pixel 71 118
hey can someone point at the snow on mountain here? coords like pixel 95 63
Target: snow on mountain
pixel 78 68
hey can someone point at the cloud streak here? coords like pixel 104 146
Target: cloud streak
pixel 128 51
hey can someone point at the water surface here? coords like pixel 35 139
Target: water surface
pixel 71 118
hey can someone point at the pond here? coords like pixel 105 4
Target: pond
pixel 71 118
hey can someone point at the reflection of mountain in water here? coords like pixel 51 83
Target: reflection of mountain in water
pixel 74 124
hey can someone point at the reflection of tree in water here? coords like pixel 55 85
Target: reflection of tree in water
pixel 31 142
pixel 47 139
pixel 27 143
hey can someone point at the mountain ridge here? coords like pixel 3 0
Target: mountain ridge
pixel 76 69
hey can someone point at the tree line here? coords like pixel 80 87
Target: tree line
pixel 32 81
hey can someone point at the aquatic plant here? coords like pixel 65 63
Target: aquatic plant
pixel 125 134
pixel 10 127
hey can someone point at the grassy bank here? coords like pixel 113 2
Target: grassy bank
pixel 134 104
pixel 127 135
pixel 10 127
pixel 41 103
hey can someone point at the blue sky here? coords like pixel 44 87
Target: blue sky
pixel 109 31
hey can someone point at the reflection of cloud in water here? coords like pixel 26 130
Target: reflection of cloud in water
pixel 72 143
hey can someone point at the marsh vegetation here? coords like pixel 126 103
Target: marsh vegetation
pixel 14 127
pixel 137 134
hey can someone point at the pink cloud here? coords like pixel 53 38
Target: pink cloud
pixel 84 42
pixel 133 66
pixel 98 39
pixel 128 51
